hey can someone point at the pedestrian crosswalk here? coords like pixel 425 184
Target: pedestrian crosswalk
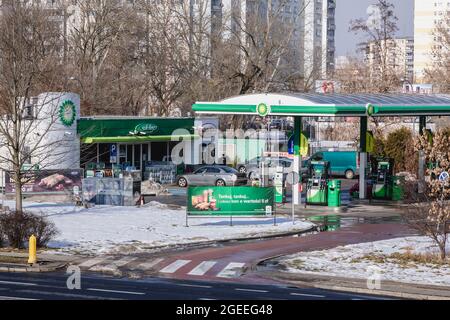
pixel 232 270
pixel 174 266
pixel 181 267
pixel 202 268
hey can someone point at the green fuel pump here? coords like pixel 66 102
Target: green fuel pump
pixel 383 177
pixel 317 186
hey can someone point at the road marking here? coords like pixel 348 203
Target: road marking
pixel 124 261
pixel 306 295
pixel 68 295
pixel 251 290
pixel 194 285
pixel 232 270
pixel 18 283
pixel 202 268
pixel 173 267
pixel 116 291
pixel 149 265
pixel 14 298
pixel 92 262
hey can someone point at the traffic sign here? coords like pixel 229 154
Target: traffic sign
pixel 444 176
pixel 291 144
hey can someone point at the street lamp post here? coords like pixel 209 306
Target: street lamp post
pixel 80 84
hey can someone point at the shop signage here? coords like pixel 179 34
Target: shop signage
pixel 113 153
pixel 46 181
pixel 263 110
pixel 230 201
pixel 67 113
pixel 370 142
pixel 304 145
pixel 148 128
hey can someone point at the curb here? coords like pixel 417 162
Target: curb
pixel 197 245
pixel 36 269
pixel 354 289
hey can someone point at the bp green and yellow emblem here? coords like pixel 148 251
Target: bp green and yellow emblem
pixel 263 109
pixel 68 113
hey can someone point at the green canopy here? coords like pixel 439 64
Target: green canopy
pixel 351 105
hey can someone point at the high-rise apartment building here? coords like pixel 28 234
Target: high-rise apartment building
pixel 428 15
pixel 312 42
pixel 399 53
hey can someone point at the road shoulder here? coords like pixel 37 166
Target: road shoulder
pixel 387 288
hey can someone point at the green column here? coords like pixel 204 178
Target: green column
pixel 296 195
pixel 297 134
pixel 363 157
pixel 363 134
pixel 422 124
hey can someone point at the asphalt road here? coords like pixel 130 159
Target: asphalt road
pixel 53 286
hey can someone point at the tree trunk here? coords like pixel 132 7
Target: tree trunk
pixel 18 187
pixel 442 246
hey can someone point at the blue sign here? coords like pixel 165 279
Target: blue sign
pixel 113 153
pixel 291 144
pixel 444 176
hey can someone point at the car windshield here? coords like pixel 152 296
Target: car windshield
pixel 229 170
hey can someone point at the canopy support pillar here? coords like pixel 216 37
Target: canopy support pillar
pixel 363 158
pixel 421 173
pixel 297 196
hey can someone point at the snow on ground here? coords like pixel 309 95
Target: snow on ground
pixel 107 229
pixel 352 261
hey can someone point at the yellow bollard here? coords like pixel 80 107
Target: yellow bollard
pixel 32 250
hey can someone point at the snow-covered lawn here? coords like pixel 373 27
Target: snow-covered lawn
pixel 361 260
pixel 106 229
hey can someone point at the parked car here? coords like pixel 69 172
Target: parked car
pixel 254 170
pixel 342 163
pixel 242 167
pixel 213 176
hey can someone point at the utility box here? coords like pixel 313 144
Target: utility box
pixel 334 193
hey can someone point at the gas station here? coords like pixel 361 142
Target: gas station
pixel 362 106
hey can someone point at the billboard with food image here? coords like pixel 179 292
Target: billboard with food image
pixel 46 181
pixel 226 201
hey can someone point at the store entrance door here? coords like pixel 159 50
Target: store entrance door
pixel 132 155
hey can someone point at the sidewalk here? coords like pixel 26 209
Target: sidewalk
pixel 388 288
pixel 46 262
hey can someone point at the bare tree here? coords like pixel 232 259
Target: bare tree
pixel 430 214
pixel 103 47
pixel 379 30
pixel 30 63
pixel 165 57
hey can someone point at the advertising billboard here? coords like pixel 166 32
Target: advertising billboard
pixel 46 181
pixel 230 201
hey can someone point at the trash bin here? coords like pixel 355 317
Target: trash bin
pixel 334 193
pixel 398 188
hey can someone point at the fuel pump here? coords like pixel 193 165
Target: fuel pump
pixel 382 188
pixel 317 186
pixel 278 182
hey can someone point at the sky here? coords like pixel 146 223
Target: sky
pixel 346 10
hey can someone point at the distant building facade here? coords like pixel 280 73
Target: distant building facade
pixel 428 15
pixel 399 57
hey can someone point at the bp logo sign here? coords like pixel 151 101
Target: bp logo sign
pixel 147 128
pixel 263 109
pixel 371 109
pixel 68 113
